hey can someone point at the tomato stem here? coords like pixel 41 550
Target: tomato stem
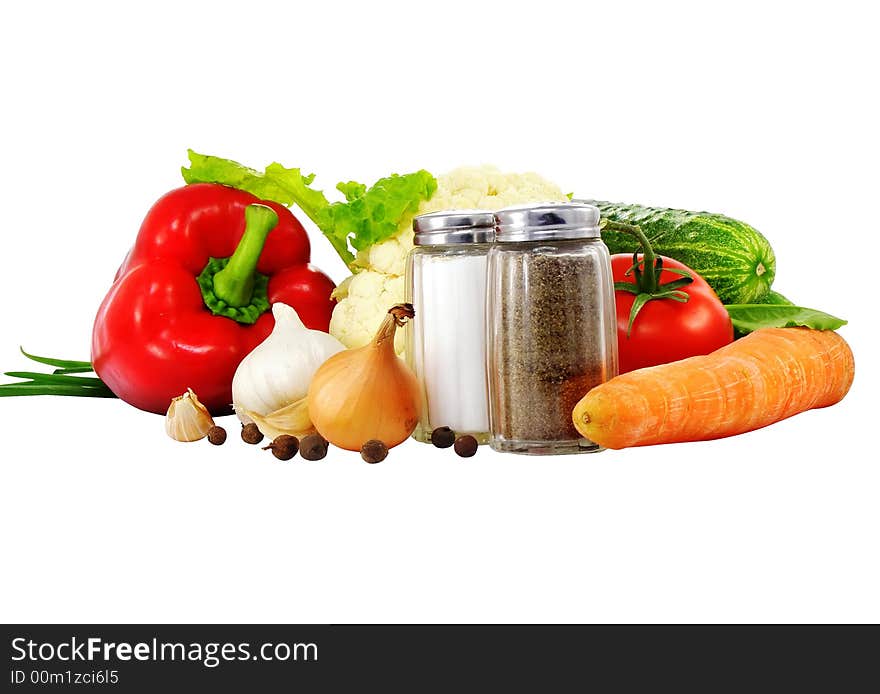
pixel 646 274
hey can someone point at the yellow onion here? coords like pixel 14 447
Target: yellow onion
pixel 367 393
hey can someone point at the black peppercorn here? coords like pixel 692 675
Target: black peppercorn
pixel 217 435
pixel 284 447
pixel 374 451
pixel 313 447
pixel 466 446
pixel 250 433
pixel 443 437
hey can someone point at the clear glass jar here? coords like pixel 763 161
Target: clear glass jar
pixel 552 325
pixel 446 342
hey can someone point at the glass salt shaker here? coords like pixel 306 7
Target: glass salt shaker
pixel 552 325
pixel 446 343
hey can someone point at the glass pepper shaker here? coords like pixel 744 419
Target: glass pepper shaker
pixel 552 325
pixel 446 345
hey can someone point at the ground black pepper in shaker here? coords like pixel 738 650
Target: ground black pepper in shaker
pixel 552 325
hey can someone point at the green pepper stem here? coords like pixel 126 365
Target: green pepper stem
pixel 234 284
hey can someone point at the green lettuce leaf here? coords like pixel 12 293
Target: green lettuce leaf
pixel 351 190
pixel 367 217
pixel 747 318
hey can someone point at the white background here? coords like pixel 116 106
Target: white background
pixel 766 112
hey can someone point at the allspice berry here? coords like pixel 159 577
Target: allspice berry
pixel 442 437
pixel 217 435
pixel 374 451
pixel 284 447
pixel 466 446
pixel 313 447
pixel 250 433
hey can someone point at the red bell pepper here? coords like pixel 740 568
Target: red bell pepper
pixel 192 298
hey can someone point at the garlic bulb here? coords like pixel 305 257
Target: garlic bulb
pixel 187 418
pixel 278 372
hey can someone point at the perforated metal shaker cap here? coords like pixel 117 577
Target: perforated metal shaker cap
pixel 454 226
pixel 547 221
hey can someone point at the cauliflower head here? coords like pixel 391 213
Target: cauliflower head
pixel 365 297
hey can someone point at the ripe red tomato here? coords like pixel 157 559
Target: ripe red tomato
pixel 667 330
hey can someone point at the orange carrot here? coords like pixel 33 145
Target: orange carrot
pixel 763 378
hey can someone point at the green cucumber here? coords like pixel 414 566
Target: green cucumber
pixel 733 257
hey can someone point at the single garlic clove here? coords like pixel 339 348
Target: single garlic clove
pixel 187 418
pixel 292 419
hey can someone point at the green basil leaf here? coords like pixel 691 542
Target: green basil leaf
pixel 771 297
pixel 747 318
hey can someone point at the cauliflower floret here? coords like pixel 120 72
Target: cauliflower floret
pixel 365 297
pixel 357 317
pixel 485 187
pixel 389 256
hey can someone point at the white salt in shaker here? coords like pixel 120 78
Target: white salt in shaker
pixel 446 342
